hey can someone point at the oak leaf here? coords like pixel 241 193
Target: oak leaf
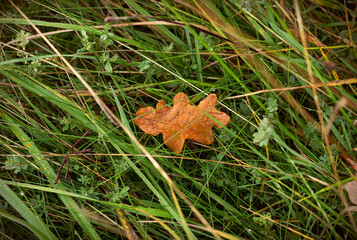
pixel 182 121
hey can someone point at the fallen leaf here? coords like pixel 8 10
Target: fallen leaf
pixel 182 121
pixel 351 188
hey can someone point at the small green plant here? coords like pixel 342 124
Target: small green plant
pixel 150 68
pixel 272 105
pixel 264 222
pixel 325 158
pixel 313 137
pixel 88 46
pixel 88 191
pixel 168 48
pixel 107 61
pixel 208 39
pixel 117 196
pixel 106 36
pixel 22 40
pixel 264 132
pixel 144 65
pixel 84 179
pixel 266 127
pixel 66 122
pixel 35 66
pixel 16 163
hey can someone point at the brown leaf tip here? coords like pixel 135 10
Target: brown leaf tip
pixel 182 121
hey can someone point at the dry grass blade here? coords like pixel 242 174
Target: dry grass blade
pixel 318 85
pixel 130 234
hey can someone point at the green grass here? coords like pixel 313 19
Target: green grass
pixel 72 82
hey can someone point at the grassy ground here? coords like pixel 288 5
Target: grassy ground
pixel 74 73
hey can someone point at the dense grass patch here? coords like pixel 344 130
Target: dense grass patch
pixel 74 73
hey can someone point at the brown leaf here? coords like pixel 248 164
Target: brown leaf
pixel 182 121
pixel 351 188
